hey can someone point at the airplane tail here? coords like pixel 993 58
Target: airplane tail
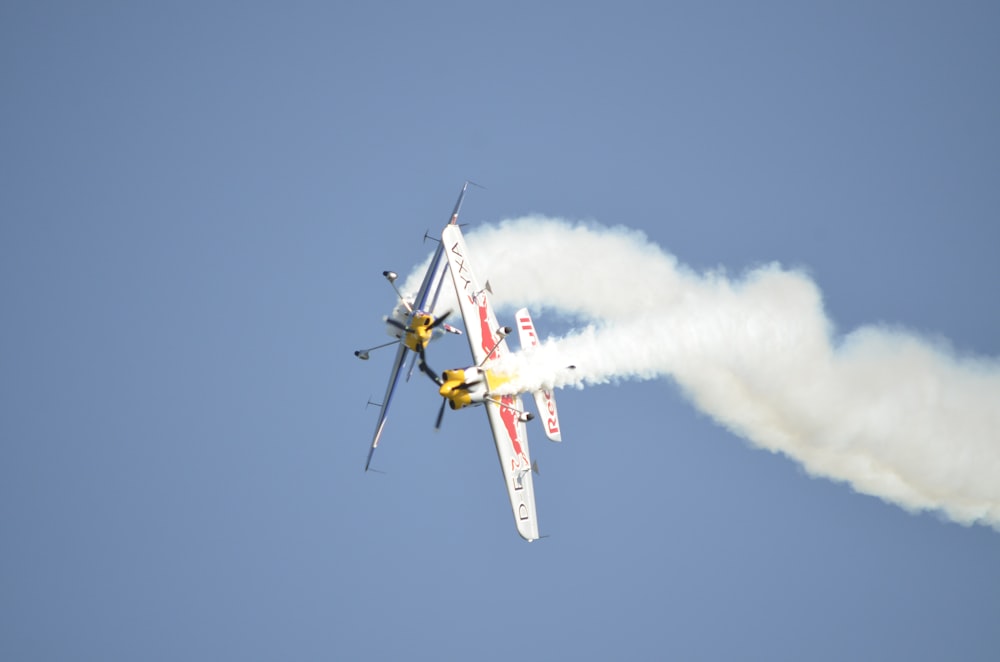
pixel 545 400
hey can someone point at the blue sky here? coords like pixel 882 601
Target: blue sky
pixel 199 200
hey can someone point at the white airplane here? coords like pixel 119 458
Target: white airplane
pixel 412 324
pixel 476 385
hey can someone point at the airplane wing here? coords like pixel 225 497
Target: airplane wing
pixel 426 298
pixel 430 288
pixel 511 439
pixel 509 432
pixel 397 369
pixel 480 321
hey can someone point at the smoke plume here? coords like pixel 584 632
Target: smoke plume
pixel 894 415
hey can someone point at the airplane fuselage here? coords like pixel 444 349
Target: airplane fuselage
pixel 470 386
pixel 464 388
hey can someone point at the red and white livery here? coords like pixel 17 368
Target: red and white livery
pixel 545 400
pixel 506 413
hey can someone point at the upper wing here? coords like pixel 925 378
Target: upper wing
pixel 477 311
pixel 397 369
pixel 511 438
pixel 427 295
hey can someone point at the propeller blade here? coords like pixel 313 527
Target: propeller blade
pixel 437 425
pixel 439 321
pixel 426 369
pixel 396 323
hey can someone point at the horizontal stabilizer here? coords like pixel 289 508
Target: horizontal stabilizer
pixel 545 400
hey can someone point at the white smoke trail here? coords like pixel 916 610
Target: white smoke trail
pixel 894 415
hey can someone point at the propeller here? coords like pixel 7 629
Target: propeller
pixel 437 424
pixel 439 380
pixel 439 321
pixel 406 329
pixel 426 369
pixel 396 323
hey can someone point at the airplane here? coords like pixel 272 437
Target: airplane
pixel 412 324
pixel 476 385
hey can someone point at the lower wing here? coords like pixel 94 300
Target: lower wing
pixel 397 370
pixel 511 439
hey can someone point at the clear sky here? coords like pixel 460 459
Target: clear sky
pixel 197 203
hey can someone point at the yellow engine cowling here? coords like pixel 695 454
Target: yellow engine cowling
pixel 455 389
pixel 419 333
